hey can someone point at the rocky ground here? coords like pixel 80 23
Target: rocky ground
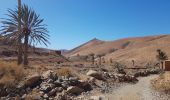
pixel 70 84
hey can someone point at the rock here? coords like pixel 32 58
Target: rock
pixel 60 96
pixel 57 83
pixel 45 96
pixel 3 91
pixel 91 80
pixel 97 98
pixel 144 73
pixel 85 85
pixel 33 97
pixel 73 78
pixel 154 71
pixel 130 78
pixel 73 81
pixel 95 74
pixel 49 75
pixel 24 96
pixel 54 91
pixel 50 81
pixel 32 80
pixel 74 90
pixel 46 87
pixel 65 84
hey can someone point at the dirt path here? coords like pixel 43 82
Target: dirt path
pixel 139 91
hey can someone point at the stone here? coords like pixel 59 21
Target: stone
pixel 74 90
pixel 32 80
pixel 45 96
pixel 97 98
pixel 53 92
pixel 46 87
pixel 60 96
pixel 49 75
pixel 57 83
pixel 85 85
pixel 34 97
pixel 95 74
pixel 73 78
pixel 24 96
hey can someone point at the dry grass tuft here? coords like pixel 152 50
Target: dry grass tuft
pixel 162 83
pixel 10 73
pixel 65 72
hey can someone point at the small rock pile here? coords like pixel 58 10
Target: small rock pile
pixel 49 86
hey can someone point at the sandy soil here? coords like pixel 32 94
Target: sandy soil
pixel 140 91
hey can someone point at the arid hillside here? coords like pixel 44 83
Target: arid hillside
pixel 140 49
pixel 8 51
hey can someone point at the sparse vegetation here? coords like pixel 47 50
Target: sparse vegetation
pixel 112 50
pixel 100 58
pixel 119 67
pixel 64 72
pixel 10 73
pixel 162 83
pixel 126 44
pixel 92 57
pixel 161 56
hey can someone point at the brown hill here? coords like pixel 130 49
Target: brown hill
pixel 140 49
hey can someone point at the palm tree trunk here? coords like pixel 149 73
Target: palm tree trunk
pixel 100 60
pixel 26 50
pixel 19 32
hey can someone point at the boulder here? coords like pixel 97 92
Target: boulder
pixel 130 78
pixel 46 87
pixel 45 96
pixel 54 91
pixel 60 96
pixel 32 80
pixel 97 98
pixel 49 75
pixel 74 90
pixel 85 85
pixel 32 97
pixel 95 74
pixel 58 83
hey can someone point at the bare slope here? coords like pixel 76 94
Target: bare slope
pixel 140 49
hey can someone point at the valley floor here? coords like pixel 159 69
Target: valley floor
pixel 139 91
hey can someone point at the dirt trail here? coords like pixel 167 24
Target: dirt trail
pixel 139 91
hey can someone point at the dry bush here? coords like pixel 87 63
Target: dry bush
pixel 10 73
pixel 162 83
pixel 64 72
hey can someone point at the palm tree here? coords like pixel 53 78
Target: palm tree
pixel 161 56
pixel 32 29
pixel 19 32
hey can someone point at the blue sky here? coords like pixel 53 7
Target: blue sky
pixel 73 22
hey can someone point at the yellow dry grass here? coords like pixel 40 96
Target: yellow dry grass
pixel 10 73
pixel 64 72
pixel 162 83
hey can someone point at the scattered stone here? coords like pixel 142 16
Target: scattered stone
pixel 45 96
pixel 49 75
pixel 46 87
pixel 95 74
pixel 97 98
pixel 54 91
pixel 32 80
pixel 74 90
